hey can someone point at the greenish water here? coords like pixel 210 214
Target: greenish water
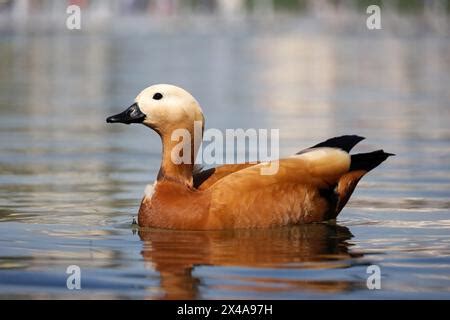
pixel 70 185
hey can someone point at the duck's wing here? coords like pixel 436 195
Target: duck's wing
pixel 320 166
pixel 203 179
pixel 250 198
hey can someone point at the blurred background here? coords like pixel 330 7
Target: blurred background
pixel 70 184
pixel 49 10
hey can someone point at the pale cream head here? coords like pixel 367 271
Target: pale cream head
pixel 167 107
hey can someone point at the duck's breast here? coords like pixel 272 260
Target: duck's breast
pixel 174 206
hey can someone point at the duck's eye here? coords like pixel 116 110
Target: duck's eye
pixel 157 96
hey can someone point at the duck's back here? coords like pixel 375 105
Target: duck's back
pixel 297 193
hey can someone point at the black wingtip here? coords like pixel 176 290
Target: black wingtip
pixel 345 143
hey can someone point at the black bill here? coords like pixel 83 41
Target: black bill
pixel 132 115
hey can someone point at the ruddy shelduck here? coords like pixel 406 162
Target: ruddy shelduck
pixel 311 186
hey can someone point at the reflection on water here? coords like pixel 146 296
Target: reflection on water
pixel 175 255
pixel 70 185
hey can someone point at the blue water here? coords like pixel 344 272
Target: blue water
pixel 70 185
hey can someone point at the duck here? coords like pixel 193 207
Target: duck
pixel 311 186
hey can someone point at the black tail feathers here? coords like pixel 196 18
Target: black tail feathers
pixel 368 161
pixel 360 161
pixel 345 143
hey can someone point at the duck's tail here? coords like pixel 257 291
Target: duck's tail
pixel 361 163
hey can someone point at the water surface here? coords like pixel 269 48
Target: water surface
pixel 70 185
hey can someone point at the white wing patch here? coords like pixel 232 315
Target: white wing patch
pixel 149 190
pixel 322 152
pixel 326 160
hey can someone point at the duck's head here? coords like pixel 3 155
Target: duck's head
pixel 163 108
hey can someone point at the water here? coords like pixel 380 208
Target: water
pixel 70 185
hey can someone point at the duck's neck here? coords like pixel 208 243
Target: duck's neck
pixel 174 169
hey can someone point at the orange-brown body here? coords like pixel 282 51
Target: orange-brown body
pixel 304 190
pixel 174 206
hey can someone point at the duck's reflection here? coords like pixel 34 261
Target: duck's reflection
pixel 176 253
